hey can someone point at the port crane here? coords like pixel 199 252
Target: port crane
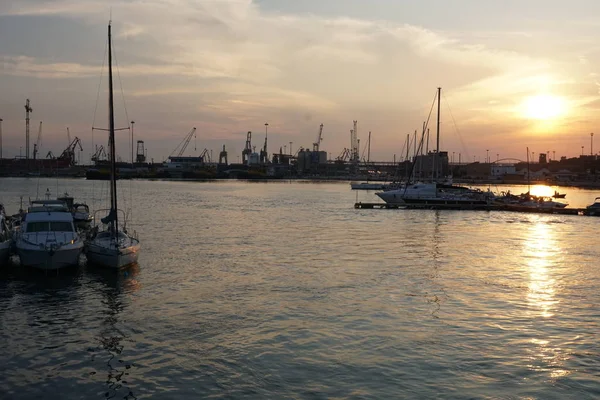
pixel 345 155
pixel 223 156
pixel 248 149
pixel 317 144
pixel 69 152
pixel 205 155
pixel 184 144
pixel 38 143
pixel 264 155
pixel 99 155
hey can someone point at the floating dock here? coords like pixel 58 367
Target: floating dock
pixel 491 207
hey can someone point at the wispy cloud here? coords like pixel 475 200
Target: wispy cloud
pixel 245 61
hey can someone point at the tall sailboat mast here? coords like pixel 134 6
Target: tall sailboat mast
pixel 437 145
pixel 528 173
pixel 111 139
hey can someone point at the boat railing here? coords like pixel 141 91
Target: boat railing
pixel 24 237
pixel 97 222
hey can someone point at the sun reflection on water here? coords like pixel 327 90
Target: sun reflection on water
pixel 540 250
pixel 542 190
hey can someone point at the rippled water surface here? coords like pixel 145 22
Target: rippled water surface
pixel 284 290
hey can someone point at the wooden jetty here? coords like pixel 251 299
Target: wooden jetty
pixel 490 207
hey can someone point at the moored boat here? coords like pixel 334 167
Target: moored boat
pixel 436 195
pixel 438 191
pixel 367 186
pixel 46 238
pixel 110 245
pixel 80 211
pixel 5 240
pixel 594 208
pixel 527 201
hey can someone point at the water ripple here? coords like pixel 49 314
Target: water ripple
pixel 279 290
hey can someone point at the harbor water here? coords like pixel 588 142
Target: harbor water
pixel 283 290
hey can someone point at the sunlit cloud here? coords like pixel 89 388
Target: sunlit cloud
pixel 246 64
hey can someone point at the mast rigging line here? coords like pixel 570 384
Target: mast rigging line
pixel 98 92
pixel 114 55
pixel 94 118
pixel 462 143
pixel 420 147
pixel 122 92
pixel 425 125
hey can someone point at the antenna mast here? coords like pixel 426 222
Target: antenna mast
pixel 369 148
pixel 1 139
pixel 355 156
pixel 28 110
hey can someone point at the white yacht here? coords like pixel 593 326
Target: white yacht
pixel 80 211
pixel 437 195
pixel 5 240
pixel 47 238
pixel 412 191
pixel 111 247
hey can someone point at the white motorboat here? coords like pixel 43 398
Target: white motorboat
pixel 110 245
pixel 80 211
pixel 47 238
pixel 436 195
pixel 417 190
pixel 5 240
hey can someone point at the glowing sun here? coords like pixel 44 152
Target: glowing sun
pixel 543 107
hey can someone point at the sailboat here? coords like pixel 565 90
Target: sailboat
pixel 436 194
pixel 113 246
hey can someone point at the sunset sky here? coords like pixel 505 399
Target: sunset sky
pixel 514 73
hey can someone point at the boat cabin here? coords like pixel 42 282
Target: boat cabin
pixel 52 221
pixel 47 206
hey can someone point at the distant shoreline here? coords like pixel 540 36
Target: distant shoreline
pixel 481 182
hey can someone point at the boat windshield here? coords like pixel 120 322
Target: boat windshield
pixel 52 226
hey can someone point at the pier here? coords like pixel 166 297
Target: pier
pixel 491 207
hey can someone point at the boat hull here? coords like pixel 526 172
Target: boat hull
pixel 47 259
pixel 111 256
pixel 457 204
pixel 367 186
pixel 82 222
pixel 391 197
pixel 4 252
